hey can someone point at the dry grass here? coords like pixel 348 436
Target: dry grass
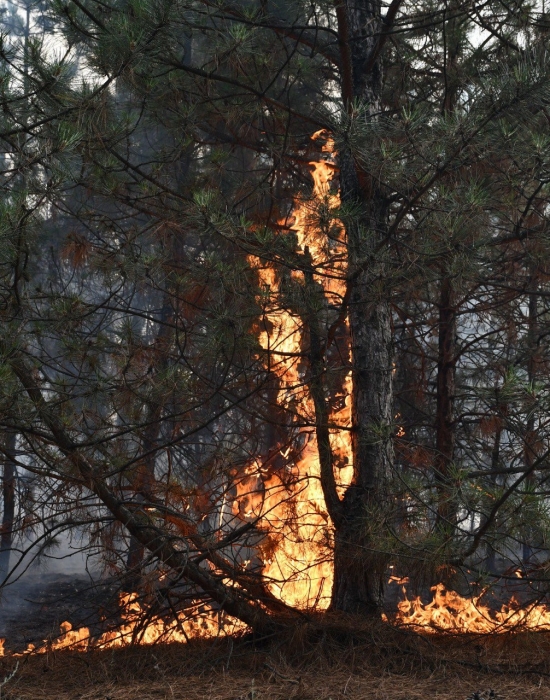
pixel 313 664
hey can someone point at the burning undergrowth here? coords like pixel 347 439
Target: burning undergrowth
pixel 507 606
pixel 328 656
pixel 378 662
pixel 72 612
pixel 34 608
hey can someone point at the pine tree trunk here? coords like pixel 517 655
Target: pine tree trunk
pixel 358 569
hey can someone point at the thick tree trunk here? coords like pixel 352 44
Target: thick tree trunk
pixel 358 569
pixel 8 497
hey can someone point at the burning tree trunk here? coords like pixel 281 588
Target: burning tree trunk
pixel 358 570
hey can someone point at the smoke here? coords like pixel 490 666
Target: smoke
pixel 47 585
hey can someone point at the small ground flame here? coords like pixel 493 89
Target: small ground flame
pixel 450 612
pixel 139 627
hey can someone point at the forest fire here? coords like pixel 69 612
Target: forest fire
pixel 249 371
pixel 289 508
pixel 298 566
pixel 447 613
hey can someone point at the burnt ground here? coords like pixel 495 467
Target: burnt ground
pixel 32 610
pixel 382 667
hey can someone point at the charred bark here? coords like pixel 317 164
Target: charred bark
pixel 358 568
pixel 316 386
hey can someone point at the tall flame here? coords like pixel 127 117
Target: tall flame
pixel 297 563
pixel 296 554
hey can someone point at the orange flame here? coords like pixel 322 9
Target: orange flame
pixel 138 627
pixel 297 561
pixel 297 557
pixel 450 612
pixel 296 554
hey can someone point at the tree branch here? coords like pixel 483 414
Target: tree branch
pixel 140 525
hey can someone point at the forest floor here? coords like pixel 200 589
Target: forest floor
pixel 382 666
